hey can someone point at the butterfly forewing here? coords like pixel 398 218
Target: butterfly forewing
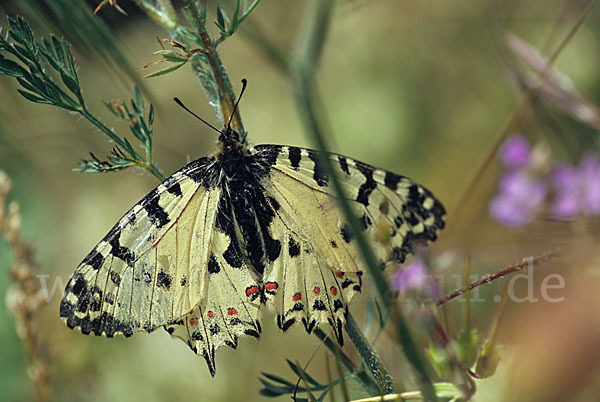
pixel 150 269
pixel 396 213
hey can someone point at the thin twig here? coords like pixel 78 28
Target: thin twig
pixel 500 274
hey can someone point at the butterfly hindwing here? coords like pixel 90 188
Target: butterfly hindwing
pixel 228 310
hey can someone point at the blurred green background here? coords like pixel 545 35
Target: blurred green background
pixel 422 88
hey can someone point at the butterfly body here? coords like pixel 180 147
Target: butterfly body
pixel 246 227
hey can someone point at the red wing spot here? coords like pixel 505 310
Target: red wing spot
pixel 210 314
pixel 297 297
pixel 231 311
pixel 251 290
pixel 271 286
pixel 317 290
pixel 333 290
pixel 193 321
pixel 339 274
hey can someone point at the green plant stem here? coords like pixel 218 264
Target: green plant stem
pixel 369 356
pixel 309 48
pixel 362 377
pixel 226 95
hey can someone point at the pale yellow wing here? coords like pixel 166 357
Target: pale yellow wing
pixel 396 213
pixel 228 310
pixel 319 269
pixel 151 268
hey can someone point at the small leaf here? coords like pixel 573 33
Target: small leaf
pixel 440 361
pixel 221 18
pixel 151 116
pixel 139 100
pixel 466 347
pixel 129 148
pixel 235 21
pixel 70 62
pixel 31 97
pixel 70 83
pixel 488 359
pixel 170 55
pixel 275 389
pixel 60 55
pixel 26 85
pixel 165 71
pixel 301 373
pixel 278 379
pixel 9 67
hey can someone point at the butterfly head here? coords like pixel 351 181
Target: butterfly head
pixel 229 143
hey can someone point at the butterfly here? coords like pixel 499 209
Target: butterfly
pixel 203 253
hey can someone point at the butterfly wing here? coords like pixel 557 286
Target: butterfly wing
pixel 151 268
pixel 230 306
pixel 320 268
pixel 395 212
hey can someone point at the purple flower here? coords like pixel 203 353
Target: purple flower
pixel 577 189
pixel 519 200
pixel 515 153
pixel 410 277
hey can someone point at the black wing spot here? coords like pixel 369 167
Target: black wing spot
pixel 79 286
pixel 214 329
pixel 155 212
pixel 398 221
pixel 343 164
pixel 391 180
pixel 399 254
pixel 121 252
pixel 319 305
pixel 175 189
pixel 286 325
pixel 115 278
pixel 293 248
pixel 368 186
pixel 163 280
pixel 109 299
pixel 365 221
pixel 347 282
pixel 232 255
pixel 294 155
pixel 319 174
pixel 384 207
pixel 346 233
pixel 334 244
pixel 213 264
pixel 251 332
pixel 94 259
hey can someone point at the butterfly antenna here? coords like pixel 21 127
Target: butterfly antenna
pixel 180 103
pixel 244 82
